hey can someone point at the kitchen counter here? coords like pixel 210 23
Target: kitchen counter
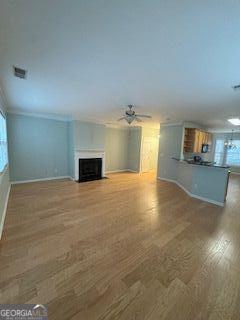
pixel 202 163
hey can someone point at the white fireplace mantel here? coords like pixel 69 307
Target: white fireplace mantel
pixel 85 154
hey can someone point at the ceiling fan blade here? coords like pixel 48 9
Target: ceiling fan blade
pixel 121 118
pixel 142 115
pixel 138 119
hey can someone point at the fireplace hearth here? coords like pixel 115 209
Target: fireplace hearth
pixel 90 169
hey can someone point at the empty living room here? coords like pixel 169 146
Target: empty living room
pixel 119 160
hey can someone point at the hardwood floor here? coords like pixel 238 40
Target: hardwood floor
pixel 127 247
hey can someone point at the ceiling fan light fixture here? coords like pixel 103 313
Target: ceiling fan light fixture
pixel 129 119
pixel 130 115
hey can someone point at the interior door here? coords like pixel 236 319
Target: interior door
pixel 146 155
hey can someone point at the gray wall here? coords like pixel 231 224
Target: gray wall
pixel 71 149
pixel 134 148
pixel 209 182
pixel 43 148
pixel 170 145
pixel 83 135
pixel 38 148
pixel 4 183
pixel 202 181
pixel 87 135
pixel 116 148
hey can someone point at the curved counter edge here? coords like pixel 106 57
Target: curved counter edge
pixel 221 204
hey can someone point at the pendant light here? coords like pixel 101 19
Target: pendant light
pixel 229 144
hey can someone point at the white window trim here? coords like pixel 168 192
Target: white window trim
pixel 7 164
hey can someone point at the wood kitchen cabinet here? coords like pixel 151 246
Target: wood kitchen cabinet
pixel 194 139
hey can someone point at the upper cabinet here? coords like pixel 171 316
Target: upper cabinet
pixel 194 139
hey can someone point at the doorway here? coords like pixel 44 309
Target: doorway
pixel 149 154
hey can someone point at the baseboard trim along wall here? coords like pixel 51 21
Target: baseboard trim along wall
pixel 116 171
pixel 122 170
pixel 65 177
pixel 192 195
pixel 42 179
pixel 4 212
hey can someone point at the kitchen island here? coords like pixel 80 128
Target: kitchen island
pixel 206 182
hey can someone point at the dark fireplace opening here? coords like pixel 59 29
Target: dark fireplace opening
pixel 90 169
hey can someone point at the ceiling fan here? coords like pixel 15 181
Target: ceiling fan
pixel 130 115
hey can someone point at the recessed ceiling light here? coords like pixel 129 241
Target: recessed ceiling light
pixel 235 121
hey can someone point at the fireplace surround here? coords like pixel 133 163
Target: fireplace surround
pixel 88 154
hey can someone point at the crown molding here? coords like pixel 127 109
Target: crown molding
pixel 236 130
pixel 165 124
pixel 40 115
pixel 115 126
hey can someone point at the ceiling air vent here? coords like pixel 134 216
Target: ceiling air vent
pixel 20 73
pixel 237 87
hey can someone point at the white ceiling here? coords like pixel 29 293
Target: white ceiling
pixel 88 58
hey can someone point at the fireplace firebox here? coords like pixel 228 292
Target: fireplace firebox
pixel 90 169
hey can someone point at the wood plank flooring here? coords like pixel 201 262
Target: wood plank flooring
pixel 127 247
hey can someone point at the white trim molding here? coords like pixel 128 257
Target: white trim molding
pixel 192 195
pixel 169 124
pixel 116 171
pixel 49 116
pixel 4 212
pixel 42 179
pixel 122 170
pixel 64 177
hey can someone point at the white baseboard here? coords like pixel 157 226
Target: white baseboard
pixel 166 179
pixel 115 171
pixel 192 195
pixel 4 212
pixel 122 170
pixel 42 179
pixel 234 172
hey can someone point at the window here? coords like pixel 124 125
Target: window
pixel 219 152
pixel 233 155
pixel 3 143
pixel 225 156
